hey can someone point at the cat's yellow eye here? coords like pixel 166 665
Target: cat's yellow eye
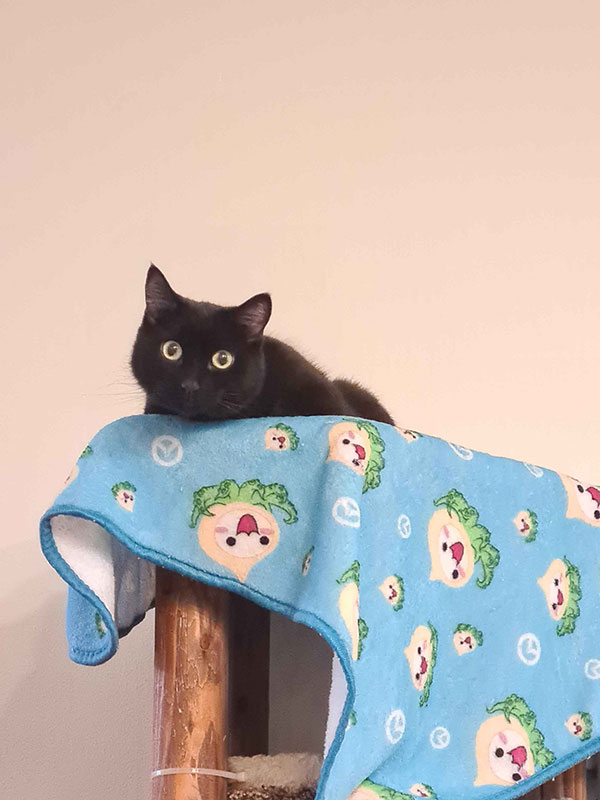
pixel 171 350
pixel 222 359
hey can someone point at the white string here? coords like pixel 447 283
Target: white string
pixel 218 773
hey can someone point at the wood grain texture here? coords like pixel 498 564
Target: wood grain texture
pixel 248 677
pixel 570 784
pixel 190 687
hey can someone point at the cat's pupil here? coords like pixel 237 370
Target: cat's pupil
pixel 172 350
pixel 222 359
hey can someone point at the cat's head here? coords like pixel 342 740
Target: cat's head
pixel 199 360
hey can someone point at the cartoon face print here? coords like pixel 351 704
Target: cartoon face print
pixel 588 498
pixel 508 756
pixel 561 585
pixel 350 446
pixel 503 753
pixel 244 535
pixel 407 435
pixel 126 499
pixel 364 792
pixel 421 790
pixel 451 552
pixel 349 606
pixel 124 494
pixel 276 440
pixel 368 790
pixel 421 655
pixel 452 557
pixel 555 585
pixel 463 643
pixel 393 590
pixel 522 523
pixel 508 746
pixel 580 725
pixel 583 501
pixel 526 523
pixel 466 639
pixel 575 725
pixel 236 527
pixel 417 654
pixel 72 475
pixel 238 536
pixel 281 437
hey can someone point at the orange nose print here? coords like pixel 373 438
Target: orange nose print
pixel 247 524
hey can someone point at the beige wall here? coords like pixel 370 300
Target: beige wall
pixel 415 182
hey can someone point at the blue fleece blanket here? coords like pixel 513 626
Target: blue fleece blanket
pixel 460 591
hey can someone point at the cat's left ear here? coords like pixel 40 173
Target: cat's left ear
pixel 253 315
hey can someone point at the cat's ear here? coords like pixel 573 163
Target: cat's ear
pixel 253 315
pixel 161 300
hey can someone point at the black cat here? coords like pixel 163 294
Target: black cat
pixel 208 362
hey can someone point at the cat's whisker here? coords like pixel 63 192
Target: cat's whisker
pixel 124 396
pixel 231 407
pixel 121 390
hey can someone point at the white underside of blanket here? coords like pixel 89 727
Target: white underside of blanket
pixel 337 699
pixel 124 582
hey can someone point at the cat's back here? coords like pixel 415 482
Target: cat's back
pixel 284 356
pixel 305 388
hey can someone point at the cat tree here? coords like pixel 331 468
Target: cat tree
pixel 211 684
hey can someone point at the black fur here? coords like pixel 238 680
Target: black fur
pixel 267 377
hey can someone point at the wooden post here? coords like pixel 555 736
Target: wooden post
pixel 190 687
pixel 570 784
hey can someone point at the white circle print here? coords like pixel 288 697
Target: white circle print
pixel 537 472
pixel 395 725
pixel 167 451
pixel 462 452
pixel 404 528
pixel 592 669
pixel 529 649
pixel 439 738
pixel 346 511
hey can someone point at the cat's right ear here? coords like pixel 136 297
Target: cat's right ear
pixel 252 316
pixel 161 300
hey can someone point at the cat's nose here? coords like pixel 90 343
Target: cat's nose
pixel 190 386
